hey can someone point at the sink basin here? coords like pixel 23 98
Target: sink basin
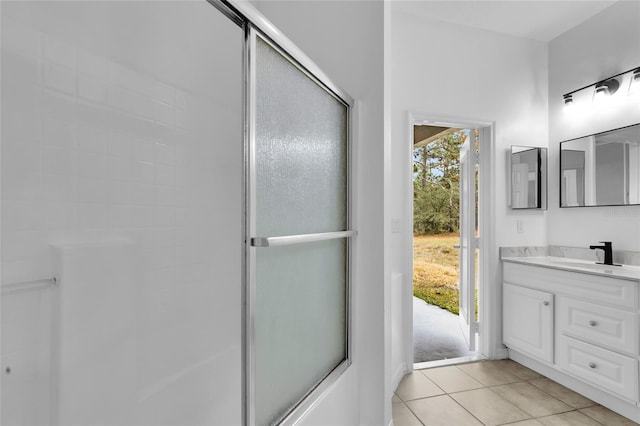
pixel 593 266
pixel 631 272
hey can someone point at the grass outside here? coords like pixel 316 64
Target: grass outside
pixel 435 270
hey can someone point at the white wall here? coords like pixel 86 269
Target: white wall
pixel 122 120
pixel 346 40
pixel 603 46
pixel 448 70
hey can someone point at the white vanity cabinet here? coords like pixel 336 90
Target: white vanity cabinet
pixel 581 329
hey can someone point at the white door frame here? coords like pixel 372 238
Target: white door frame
pixel 467 237
pixel 488 291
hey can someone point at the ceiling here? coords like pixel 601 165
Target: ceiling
pixel 421 133
pixel 541 20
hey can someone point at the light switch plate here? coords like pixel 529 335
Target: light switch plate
pixel 396 225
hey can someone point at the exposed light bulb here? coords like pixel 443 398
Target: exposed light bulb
pixel 600 95
pixel 568 103
pixel 634 85
pixel 604 90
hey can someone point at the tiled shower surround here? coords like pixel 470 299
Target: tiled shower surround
pixel 121 127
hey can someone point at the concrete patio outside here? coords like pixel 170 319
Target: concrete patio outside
pixel 436 334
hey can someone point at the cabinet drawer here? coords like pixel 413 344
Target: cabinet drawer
pixel 603 326
pixel 603 368
pixel 596 288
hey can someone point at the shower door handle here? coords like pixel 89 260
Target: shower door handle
pixel 297 239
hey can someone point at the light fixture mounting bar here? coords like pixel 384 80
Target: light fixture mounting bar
pixel 601 81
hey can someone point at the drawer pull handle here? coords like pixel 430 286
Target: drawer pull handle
pixel 593 323
pixel 592 365
pixel 545 303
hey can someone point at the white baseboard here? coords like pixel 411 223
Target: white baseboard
pixel 502 353
pixel 400 372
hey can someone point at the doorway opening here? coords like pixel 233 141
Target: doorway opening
pixel 445 244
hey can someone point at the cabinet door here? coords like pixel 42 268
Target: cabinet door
pixel 528 321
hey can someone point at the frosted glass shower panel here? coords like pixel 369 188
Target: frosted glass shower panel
pixel 301 322
pixel 301 149
pixel 299 186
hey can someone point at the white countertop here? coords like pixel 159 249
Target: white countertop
pixel 577 265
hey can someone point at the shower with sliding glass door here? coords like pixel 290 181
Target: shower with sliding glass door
pixel 176 230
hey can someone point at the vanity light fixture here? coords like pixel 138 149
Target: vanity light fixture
pixel 603 90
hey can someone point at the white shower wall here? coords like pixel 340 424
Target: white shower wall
pixel 122 120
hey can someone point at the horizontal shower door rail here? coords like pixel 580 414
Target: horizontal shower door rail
pixel 298 239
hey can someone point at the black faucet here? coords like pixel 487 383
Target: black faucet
pixel 608 252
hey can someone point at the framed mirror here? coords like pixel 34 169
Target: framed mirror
pixel 601 169
pixel 528 177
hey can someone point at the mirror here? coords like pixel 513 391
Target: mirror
pixel 601 169
pixel 528 177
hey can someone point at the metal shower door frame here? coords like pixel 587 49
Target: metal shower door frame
pixel 256 25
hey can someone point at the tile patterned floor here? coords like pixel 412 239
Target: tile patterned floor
pixel 493 393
